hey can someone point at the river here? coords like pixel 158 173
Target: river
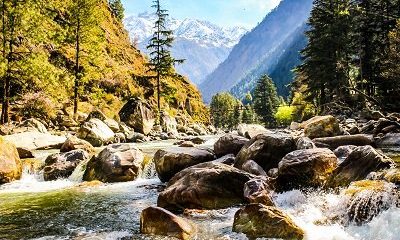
pixel 68 209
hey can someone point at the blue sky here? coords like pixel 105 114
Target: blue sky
pixel 223 12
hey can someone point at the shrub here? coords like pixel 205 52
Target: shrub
pixel 37 105
pixel 284 115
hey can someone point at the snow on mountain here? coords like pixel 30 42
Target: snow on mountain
pixel 204 45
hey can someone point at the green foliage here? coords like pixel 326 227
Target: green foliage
pixel 37 105
pixel 248 116
pixel 303 110
pixel 325 69
pixel 348 53
pixel 391 70
pixel 225 110
pixel 161 60
pixel 85 32
pixel 284 115
pixel 117 9
pixel 23 25
pixel 43 58
pixel 266 100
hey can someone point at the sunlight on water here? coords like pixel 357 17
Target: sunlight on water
pixel 68 209
pixel 31 183
pixel 316 213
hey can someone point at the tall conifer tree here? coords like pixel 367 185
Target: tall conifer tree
pixel 85 31
pixel 161 60
pixel 266 100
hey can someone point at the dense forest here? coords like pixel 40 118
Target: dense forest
pixel 351 59
pixel 76 55
pixel 349 63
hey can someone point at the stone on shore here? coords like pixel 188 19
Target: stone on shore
pixel 116 163
pixel 10 163
pixel 158 221
pixel 170 161
pixel 205 186
pixel 259 221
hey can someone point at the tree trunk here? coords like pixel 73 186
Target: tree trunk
pixel 77 75
pixel 9 59
pixel 3 13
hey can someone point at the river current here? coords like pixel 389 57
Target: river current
pixel 69 209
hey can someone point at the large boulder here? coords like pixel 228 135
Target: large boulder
pixel 34 124
pixel 321 126
pixel 391 140
pixel 266 150
pixel 96 132
pixel 116 163
pixel 343 152
pixel 158 221
pixel 138 115
pixel 229 144
pixel 366 199
pixel 112 124
pixel 253 168
pixel 10 163
pixel 168 123
pixel 35 140
pixel 305 168
pixel 358 165
pixel 170 161
pixel 251 130
pixel 96 114
pixel 198 129
pixel 62 165
pixel 259 221
pixel 74 143
pixel 25 153
pixel 205 186
pixel 337 141
pixel 257 190
pixel 304 143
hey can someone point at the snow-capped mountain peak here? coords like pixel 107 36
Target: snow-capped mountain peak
pixel 140 27
pixel 204 45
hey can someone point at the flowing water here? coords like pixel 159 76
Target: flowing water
pixel 68 209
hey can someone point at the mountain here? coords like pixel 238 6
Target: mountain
pixel 278 65
pixel 257 46
pixel 204 45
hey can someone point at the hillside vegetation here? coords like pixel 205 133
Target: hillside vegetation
pixel 113 70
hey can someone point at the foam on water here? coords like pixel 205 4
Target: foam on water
pixel 314 212
pixel 33 183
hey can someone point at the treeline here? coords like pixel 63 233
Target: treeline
pixel 352 56
pixel 262 106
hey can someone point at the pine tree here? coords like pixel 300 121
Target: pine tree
pixel 117 9
pixel 161 60
pixel 374 19
pixel 327 57
pixel 20 20
pixel 222 110
pixel 266 100
pixel 85 30
pixel 391 71
pixel 237 116
pixel 248 114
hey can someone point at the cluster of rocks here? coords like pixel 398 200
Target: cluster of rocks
pixel 243 169
pixel 247 168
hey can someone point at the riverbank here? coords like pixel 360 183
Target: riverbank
pixel 69 208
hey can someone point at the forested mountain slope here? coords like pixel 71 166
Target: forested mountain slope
pixel 278 65
pixel 256 45
pixel 113 70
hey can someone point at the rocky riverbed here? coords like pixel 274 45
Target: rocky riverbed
pixel 321 179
